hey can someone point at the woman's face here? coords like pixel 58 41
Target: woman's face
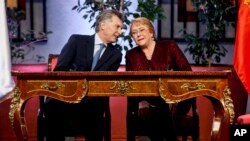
pixel 141 34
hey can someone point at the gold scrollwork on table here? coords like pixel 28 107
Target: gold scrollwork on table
pixel 85 88
pixel 14 104
pixel 76 98
pixel 229 104
pixel 47 86
pixel 122 87
pixel 189 87
pixel 173 98
pixel 168 99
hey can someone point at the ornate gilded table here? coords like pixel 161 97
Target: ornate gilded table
pixel 172 86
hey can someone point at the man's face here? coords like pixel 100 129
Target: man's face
pixel 111 29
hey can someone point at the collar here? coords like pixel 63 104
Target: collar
pixel 98 40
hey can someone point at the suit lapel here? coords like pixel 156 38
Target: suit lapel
pixel 90 50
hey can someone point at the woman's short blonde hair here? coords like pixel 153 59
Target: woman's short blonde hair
pixel 143 21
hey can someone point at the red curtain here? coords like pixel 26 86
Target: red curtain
pixel 242 44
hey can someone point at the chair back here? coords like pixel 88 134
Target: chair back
pixel 52 61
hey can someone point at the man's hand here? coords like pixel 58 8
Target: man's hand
pixel 145 110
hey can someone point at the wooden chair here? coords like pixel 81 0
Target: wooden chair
pixel 52 60
pixel 41 131
pixel 184 127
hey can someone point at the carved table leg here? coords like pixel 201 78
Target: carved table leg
pixel 16 116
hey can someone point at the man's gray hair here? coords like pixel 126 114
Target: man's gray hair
pixel 106 15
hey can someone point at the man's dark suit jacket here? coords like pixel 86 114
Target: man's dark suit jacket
pixel 77 55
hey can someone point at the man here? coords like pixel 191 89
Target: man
pixel 78 54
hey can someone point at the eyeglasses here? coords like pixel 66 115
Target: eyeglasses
pixel 141 31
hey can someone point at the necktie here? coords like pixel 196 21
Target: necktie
pixel 97 56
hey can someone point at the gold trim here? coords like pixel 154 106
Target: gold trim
pixel 168 99
pixel 229 104
pixel 188 87
pixel 14 105
pixel 79 97
pixel 47 86
pixel 85 88
pixel 122 87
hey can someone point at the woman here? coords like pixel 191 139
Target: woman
pixel 152 114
